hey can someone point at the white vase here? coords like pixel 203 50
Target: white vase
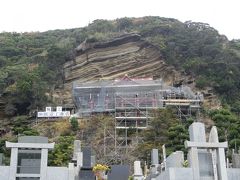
pixel 101 175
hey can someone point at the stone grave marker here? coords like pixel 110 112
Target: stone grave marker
pixel 138 174
pixel 86 172
pixel 154 157
pixel 119 172
pixel 175 159
pixel 77 149
pixel 205 164
pixel 87 160
pixel 207 159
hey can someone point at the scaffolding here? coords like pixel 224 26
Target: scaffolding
pixel 132 101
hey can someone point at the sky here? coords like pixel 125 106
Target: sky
pixel 43 15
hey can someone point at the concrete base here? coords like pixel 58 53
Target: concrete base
pixel 176 174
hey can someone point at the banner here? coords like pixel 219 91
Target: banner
pixel 53 114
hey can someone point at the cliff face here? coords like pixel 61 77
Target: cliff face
pixel 2 107
pixel 128 54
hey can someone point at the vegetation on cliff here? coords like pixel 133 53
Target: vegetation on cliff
pixel 31 69
pixel 31 63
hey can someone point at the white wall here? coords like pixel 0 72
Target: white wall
pixel 233 174
pixel 176 174
pixel 4 172
pixel 57 173
pixel 164 175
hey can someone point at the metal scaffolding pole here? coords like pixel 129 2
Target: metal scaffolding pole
pixel 131 101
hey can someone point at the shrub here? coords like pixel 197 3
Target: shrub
pixel 74 124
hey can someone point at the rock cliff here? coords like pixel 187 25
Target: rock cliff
pixel 127 54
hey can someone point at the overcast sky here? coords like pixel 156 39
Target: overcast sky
pixel 42 15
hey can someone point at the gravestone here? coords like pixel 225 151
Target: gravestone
pixel 164 165
pixel 32 139
pixel 29 160
pixel 154 156
pixel 197 132
pixel 93 161
pixel 87 159
pixel 77 149
pixel 138 174
pixel 207 159
pixel 119 172
pixel 175 159
pixel 154 169
pixel 205 164
pixel 86 172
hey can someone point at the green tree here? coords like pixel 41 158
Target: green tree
pixel 74 123
pixel 62 152
pixel 21 126
pixel 157 133
pixel 228 126
pixel 124 23
pixel 177 134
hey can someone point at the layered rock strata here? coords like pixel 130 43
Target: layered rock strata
pixel 128 54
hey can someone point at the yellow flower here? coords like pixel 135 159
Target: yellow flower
pixel 100 167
